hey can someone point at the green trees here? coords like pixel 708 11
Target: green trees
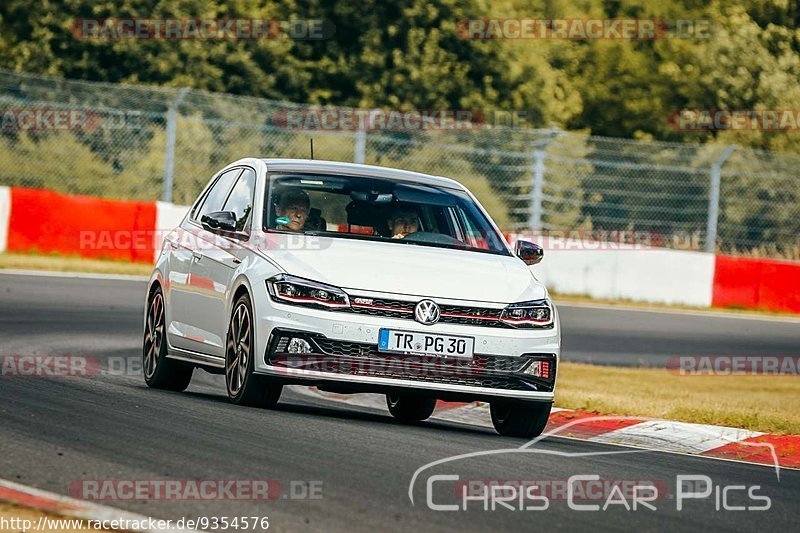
pixel 406 54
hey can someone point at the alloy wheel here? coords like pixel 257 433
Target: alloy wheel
pixel 237 352
pixel 153 335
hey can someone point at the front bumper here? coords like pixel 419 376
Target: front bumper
pixel 344 356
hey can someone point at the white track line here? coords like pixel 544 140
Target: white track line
pixel 676 436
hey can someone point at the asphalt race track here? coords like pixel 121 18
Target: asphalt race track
pixel 56 431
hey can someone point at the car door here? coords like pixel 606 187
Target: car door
pixel 177 295
pixel 185 292
pixel 212 272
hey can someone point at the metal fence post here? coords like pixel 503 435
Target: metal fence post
pixel 535 217
pixel 361 146
pixel 169 154
pixel 713 199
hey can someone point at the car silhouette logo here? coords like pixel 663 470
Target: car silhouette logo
pixel 427 312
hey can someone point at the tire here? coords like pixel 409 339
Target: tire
pixel 243 385
pixel 410 408
pixel 159 371
pixel 523 420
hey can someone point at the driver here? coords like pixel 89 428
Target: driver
pixel 292 205
pixel 402 221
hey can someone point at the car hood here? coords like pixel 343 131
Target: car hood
pixel 407 269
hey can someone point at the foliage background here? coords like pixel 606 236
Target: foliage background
pixel 407 54
pixel 404 54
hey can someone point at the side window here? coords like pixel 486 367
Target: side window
pixel 240 200
pixel 216 197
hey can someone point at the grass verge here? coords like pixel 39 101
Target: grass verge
pixel 760 403
pixel 62 263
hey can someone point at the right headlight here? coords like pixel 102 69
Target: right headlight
pixel 289 289
pixel 533 314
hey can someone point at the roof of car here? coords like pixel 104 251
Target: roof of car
pixel 354 169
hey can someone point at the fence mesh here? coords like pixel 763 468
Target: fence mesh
pixel 112 141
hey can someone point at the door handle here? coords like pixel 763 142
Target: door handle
pixel 196 257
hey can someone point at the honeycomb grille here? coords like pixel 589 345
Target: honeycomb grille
pixel 355 358
pixel 492 363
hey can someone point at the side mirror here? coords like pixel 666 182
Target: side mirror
pixel 219 221
pixel 531 254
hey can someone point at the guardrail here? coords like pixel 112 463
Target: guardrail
pixel 49 222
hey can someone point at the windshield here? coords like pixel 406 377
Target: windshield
pixel 379 209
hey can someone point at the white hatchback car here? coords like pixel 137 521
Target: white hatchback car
pixel 352 278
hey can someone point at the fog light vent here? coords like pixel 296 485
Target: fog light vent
pixel 297 345
pixel 540 369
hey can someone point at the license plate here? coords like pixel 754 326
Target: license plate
pixel 414 342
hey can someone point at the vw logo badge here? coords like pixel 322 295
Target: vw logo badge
pixel 426 312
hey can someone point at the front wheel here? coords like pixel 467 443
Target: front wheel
pixel 244 386
pixel 410 408
pixel 159 371
pixel 512 419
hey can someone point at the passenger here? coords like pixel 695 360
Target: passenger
pixel 402 221
pixel 292 210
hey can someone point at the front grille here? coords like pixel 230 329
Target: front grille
pixel 400 305
pixel 355 358
pixel 407 369
pixel 491 363
pixel 380 312
pixel 450 314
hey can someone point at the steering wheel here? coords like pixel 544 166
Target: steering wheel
pixel 433 238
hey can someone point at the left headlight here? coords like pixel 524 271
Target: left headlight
pixel 289 289
pixel 533 314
